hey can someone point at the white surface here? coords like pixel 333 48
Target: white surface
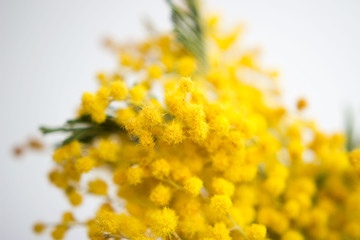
pixel 50 51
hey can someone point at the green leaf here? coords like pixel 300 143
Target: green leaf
pixel 189 29
pixel 84 130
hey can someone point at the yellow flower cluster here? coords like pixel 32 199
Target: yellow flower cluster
pixel 208 154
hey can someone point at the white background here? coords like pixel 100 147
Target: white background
pixel 50 51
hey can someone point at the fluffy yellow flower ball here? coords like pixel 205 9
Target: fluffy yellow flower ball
pixel 193 185
pixel 221 204
pixel 256 232
pixel 163 222
pixel 161 195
